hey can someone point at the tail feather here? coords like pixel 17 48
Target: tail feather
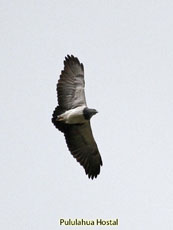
pixel 58 124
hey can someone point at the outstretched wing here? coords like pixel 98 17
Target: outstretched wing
pixel 70 87
pixel 81 144
pixel 83 147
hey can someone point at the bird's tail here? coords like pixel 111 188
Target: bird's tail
pixel 58 124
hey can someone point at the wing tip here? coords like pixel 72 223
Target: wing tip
pixel 93 171
pixel 93 175
pixel 71 59
pixel 92 168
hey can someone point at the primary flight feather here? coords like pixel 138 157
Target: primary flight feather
pixel 72 117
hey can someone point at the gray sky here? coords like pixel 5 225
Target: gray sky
pixel 127 51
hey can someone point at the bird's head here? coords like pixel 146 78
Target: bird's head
pixel 88 113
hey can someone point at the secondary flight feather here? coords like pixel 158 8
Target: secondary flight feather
pixel 72 117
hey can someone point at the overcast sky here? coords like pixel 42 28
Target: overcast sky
pixel 127 51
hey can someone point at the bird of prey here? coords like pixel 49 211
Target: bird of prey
pixel 72 117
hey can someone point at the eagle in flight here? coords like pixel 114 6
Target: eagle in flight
pixel 72 117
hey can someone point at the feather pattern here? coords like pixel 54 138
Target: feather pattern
pixel 70 87
pixel 79 137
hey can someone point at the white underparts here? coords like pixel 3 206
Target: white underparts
pixel 73 116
